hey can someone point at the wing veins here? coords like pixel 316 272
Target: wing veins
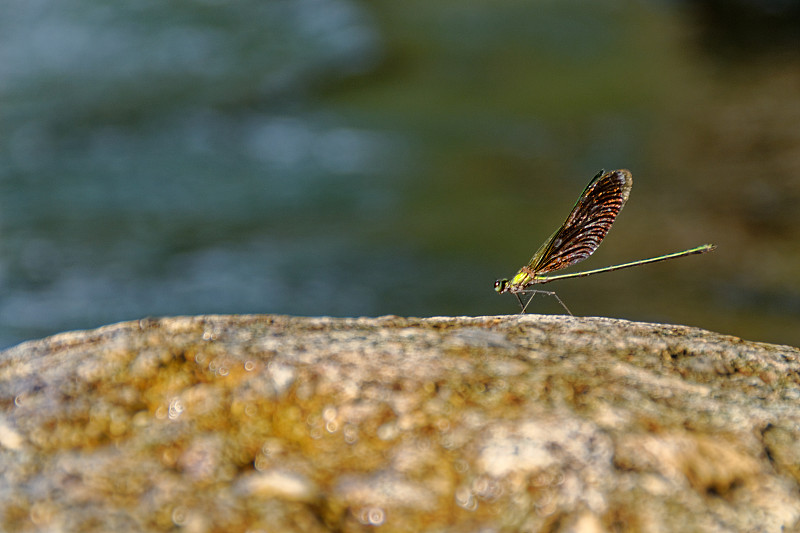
pixel 587 224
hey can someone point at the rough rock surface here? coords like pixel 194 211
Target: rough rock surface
pixel 512 423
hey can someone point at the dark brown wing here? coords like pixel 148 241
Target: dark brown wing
pixel 587 224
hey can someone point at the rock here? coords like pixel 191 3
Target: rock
pixel 512 423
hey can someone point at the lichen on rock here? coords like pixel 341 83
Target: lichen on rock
pixel 275 423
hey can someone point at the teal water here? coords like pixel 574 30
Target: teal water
pixel 333 157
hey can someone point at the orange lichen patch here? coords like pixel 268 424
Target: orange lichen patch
pixel 711 464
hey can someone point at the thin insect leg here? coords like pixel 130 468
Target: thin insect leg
pixel 525 306
pixel 562 304
pixel 533 293
pixel 550 293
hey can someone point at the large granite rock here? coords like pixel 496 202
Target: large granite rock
pixel 513 423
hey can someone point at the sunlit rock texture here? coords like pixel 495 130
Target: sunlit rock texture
pixel 521 423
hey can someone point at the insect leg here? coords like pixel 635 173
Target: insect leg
pixel 533 293
pixel 550 293
pixel 562 304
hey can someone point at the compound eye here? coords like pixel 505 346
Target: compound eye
pixel 500 285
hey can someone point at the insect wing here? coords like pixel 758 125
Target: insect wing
pixel 587 224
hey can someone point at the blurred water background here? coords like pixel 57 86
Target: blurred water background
pixel 346 158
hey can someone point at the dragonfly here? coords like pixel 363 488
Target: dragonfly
pixel 578 238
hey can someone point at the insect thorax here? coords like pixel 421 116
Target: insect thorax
pixel 521 280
